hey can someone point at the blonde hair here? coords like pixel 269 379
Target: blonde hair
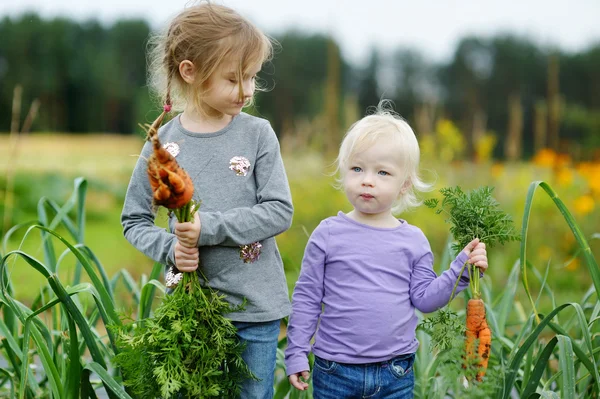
pixel 384 123
pixel 206 34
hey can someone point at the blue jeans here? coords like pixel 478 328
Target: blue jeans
pixel 260 355
pixel 392 379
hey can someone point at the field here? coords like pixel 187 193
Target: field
pixel 47 166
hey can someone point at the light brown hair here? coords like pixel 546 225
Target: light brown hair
pixel 206 34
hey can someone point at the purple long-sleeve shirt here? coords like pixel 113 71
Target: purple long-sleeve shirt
pixel 361 285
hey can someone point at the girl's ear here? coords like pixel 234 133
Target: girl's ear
pixel 405 186
pixel 187 70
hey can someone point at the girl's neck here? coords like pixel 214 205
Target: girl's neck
pixel 381 220
pixel 197 122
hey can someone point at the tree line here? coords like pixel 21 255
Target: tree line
pixel 91 78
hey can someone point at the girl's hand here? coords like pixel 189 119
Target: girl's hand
pixel 188 233
pixel 477 254
pixel 186 258
pixel 298 380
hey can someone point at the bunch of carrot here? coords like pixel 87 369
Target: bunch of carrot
pixel 477 331
pixel 475 214
pixel 478 335
pixel 172 186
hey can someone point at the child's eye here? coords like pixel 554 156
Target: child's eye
pixel 383 173
pixel 355 169
pixel 233 81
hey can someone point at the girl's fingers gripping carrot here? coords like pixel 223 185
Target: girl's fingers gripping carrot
pixel 186 259
pixel 471 246
pixel 188 233
pixel 478 257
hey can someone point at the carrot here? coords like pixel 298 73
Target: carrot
pixel 477 329
pixel 485 345
pixel 178 183
pixel 162 193
pixel 171 185
pixel 472 214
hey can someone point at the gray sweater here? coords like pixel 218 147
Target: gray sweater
pixel 241 204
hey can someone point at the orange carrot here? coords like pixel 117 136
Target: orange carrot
pixel 470 339
pixel 162 193
pixel 485 345
pixel 477 329
pixel 178 184
pixel 171 186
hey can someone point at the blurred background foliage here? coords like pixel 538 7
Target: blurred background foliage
pixel 90 78
pixel 502 111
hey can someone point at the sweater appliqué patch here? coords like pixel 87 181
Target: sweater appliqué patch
pixel 250 253
pixel 173 278
pixel 240 165
pixel 172 148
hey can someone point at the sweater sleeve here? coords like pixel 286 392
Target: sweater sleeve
pixel 271 215
pixel 428 291
pixel 138 216
pixel 306 302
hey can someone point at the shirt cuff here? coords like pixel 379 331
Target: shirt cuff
pixel 297 367
pixel 171 254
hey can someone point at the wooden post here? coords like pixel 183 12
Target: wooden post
pixel 540 127
pixel 332 98
pixel 512 145
pixel 553 102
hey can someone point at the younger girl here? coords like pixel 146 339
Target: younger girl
pixel 365 272
pixel 205 65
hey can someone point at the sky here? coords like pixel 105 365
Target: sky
pixel 433 27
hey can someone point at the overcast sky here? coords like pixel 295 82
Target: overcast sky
pixel 431 26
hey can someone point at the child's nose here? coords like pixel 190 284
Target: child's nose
pixel 248 90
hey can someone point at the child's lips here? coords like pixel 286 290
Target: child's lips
pixel 367 196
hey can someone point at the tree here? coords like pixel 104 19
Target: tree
pixel 296 80
pixel 369 93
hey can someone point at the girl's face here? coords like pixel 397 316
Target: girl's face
pixel 223 95
pixel 374 179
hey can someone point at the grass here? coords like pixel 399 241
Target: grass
pixel 544 353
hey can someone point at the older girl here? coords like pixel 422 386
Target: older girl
pixel 205 66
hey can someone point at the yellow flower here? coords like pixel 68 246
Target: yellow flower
pixel 545 157
pixel 564 177
pixel 427 146
pixel 583 205
pixel 544 252
pixel 595 187
pixel 484 147
pixel 591 173
pixel 449 139
pixel 562 160
pixel 497 170
pixel 572 265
